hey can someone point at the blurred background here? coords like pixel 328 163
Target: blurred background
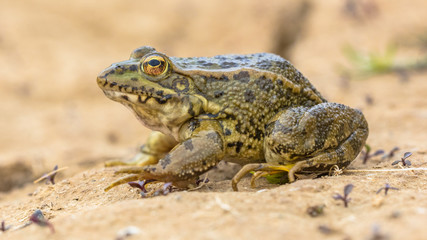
pixel 364 53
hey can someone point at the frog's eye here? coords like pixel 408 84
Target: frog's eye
pixel 154 65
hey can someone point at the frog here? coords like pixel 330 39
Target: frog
pixel 256 110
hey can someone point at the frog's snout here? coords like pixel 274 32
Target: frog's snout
pixel 101 80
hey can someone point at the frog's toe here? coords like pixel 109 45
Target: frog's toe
pixel 136 173
pixel 261 169
pixel 123 180
pixel 256 176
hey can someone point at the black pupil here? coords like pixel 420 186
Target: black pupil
pixel 154 62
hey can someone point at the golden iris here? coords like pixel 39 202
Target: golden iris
pixel 154 65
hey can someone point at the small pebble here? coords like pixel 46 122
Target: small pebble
pixel 126 232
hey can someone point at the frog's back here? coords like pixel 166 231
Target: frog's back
pixel 248 90
pixel 244 68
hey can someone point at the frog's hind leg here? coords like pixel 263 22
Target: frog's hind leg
pixel 157 145
pixel 315 138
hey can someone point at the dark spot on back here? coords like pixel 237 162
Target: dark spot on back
pixel 125 97
pixel 258 134
pixel 249 96
pixel 238 128
pixel 224 78
pixel 265 64
pixel 229 116
pixel 228 64
pixel 211 78
pixel 242 76
pixel 206 64
pixel 218 94
pixel 264 83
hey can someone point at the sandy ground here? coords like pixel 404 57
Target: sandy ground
pixel 52 113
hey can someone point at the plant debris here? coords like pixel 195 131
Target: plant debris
pixel 374 63
pixel 50 177
pixel 164 190
pixel 38 218
pixel 141 184
pixel 316 210
pixel 366 153
pixel 386 188
pixel 347 189
pixel 200 180
pixel 3 226
pixel 390 154
pixel 404 162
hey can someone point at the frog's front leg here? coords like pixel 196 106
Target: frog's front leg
pixel 311 139
pixel 156 147
pixel 201 149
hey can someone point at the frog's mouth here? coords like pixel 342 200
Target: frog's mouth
pixel 165 114
pixel 135 98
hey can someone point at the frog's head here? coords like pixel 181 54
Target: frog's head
pixel 148 83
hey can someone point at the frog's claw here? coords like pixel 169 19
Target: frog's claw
pixel 261 169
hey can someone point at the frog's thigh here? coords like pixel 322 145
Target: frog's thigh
pixel 156 147
pixel 321 136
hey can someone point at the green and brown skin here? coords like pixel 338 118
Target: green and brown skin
pixel 256 110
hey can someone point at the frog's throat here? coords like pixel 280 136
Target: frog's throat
pixel 166 115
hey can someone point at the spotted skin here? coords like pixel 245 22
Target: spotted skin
pixel 254 109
